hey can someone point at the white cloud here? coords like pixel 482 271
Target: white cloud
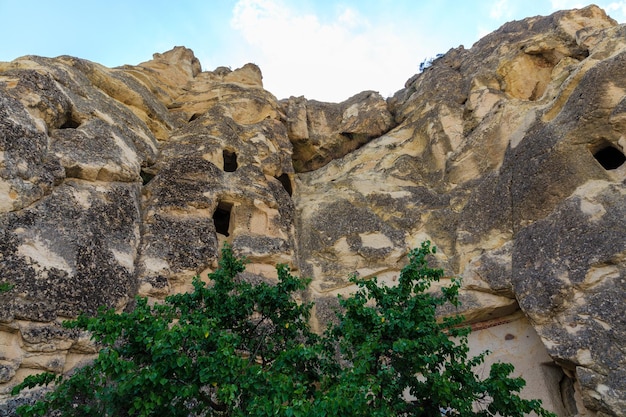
pixel 566 4
pixel 616 9
pixel 499 10
pixel 351 18
pixel 332 52
pixel 619 7
pixel 330 60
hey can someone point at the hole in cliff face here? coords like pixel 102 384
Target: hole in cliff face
pixel 610 157
pixel 568 395
pixel 286 182
pixel 146 177
pixel 194 117
pixel 221 218
pixel 230 161
pixel 71 122
pixel 73 172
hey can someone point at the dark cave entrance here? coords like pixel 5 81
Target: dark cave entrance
pixel 71 121
pixel 286 182
pixel 194 117
pixel 230 161
pixel 146 177
pixel 609 157
pixel 221 218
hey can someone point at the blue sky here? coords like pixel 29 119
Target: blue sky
pixel 324 50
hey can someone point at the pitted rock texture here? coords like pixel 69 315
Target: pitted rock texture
pixel 508 156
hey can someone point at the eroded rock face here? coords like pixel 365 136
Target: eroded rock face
pixel 124 182
pixel 508 156
pixel 321 132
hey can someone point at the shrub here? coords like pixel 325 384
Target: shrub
pixel 236 349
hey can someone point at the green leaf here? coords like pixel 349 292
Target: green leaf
pixel 233 348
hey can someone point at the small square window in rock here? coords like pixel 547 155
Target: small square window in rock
pixel 230 161
pixel 609 157
pixel 221 218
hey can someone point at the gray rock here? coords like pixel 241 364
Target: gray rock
pixel 508 156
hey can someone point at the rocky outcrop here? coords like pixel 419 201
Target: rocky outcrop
pixel 321 132
pixel 117 182
pixel 508 156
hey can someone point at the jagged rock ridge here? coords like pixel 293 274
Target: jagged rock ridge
pixel 508 156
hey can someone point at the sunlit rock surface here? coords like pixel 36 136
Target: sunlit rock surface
pixel 508 156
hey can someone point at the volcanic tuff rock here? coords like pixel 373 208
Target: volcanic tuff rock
pixel 321 132
pixel 508 156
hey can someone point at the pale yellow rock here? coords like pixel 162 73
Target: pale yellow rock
pixel 7 196
pixel 38 251
pixel 512 339
pixel 248 75
pixel 506 156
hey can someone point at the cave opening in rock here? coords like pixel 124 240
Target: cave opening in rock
pixel 230 161
pixel 71 122
pixel 286 182
pixel 221 218
pixel 610 157
pixel 194 117
pixel 146 177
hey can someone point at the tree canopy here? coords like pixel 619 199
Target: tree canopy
pixel 233 348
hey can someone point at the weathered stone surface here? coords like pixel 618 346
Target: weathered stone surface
pixel 321 132
pixel 508 156
pixel 569 276
pixel 71 252
pixel 28 172
pixel 498 159
pixel 233 161
pixel 513 339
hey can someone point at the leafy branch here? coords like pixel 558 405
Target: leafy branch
pixel 230 348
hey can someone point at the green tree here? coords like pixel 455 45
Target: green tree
pixel 231 348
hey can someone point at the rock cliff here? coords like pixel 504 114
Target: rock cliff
pixel 508 156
